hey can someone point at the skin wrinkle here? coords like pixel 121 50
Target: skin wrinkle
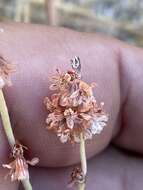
pixel 132 112
pixel 124 93
pixel 118 122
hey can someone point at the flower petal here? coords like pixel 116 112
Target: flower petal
pixel 70 122
pixel 87 134
pixel 8 166
pixel 2 82
pixel 86 116
pixel 98 124
pixel 76 138
pixel 102 118
pixel 33 162
pixel 53 87
pixel 74 94
pixel 63 138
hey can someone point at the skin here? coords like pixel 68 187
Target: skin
pixel 115 66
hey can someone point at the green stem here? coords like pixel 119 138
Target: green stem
pixel 27 185
pixel 83 160
pixel 81 186
pixel 6 120
pixel 8 130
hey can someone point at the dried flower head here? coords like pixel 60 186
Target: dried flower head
pixel 73 108
pixel 5 70
pixel 77 177
pixel 19 167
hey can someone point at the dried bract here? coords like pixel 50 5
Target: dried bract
pixel 19 166
pixel 77 177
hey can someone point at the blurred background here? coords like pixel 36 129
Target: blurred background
pixel 120 18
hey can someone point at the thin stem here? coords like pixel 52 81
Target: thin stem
pixel 83 160
pixel 83 155
pixel 8 130
pixel 27 185
pixel 6 120
pixel 81 186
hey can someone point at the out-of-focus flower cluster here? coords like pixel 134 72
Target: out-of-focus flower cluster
pixel 5 70
pixel 77 177
pixel 73 110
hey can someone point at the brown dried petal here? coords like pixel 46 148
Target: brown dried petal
pixel 73 107
pixel 86 88
pixel 77 176
pixel 75 94
pixel 86 116
pixel 54 87
pixel 48 104
pixel 84 108
pixel 33 162
pixel 18 169
pixel 67 77
pixel 55 78
pixel 64 101
pixel 68 112
pixel 55 99
pixel 93 85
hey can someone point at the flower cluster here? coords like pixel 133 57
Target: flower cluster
pixel 5 70
pixel 19 167
pixel 73 109
pixel 77 177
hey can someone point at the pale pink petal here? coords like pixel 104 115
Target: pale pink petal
pixel 86 116
pixel 93 85
pixel 53 87
pixel 48 104
pixel 74 94
pixel 33 162
pixel 67 77
pixel 74 102
pixel 8 166
pixel 87 134
pixel 76 139
pixel 70 122
pixel 64 138
pixel 64 100
pixel 48 120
